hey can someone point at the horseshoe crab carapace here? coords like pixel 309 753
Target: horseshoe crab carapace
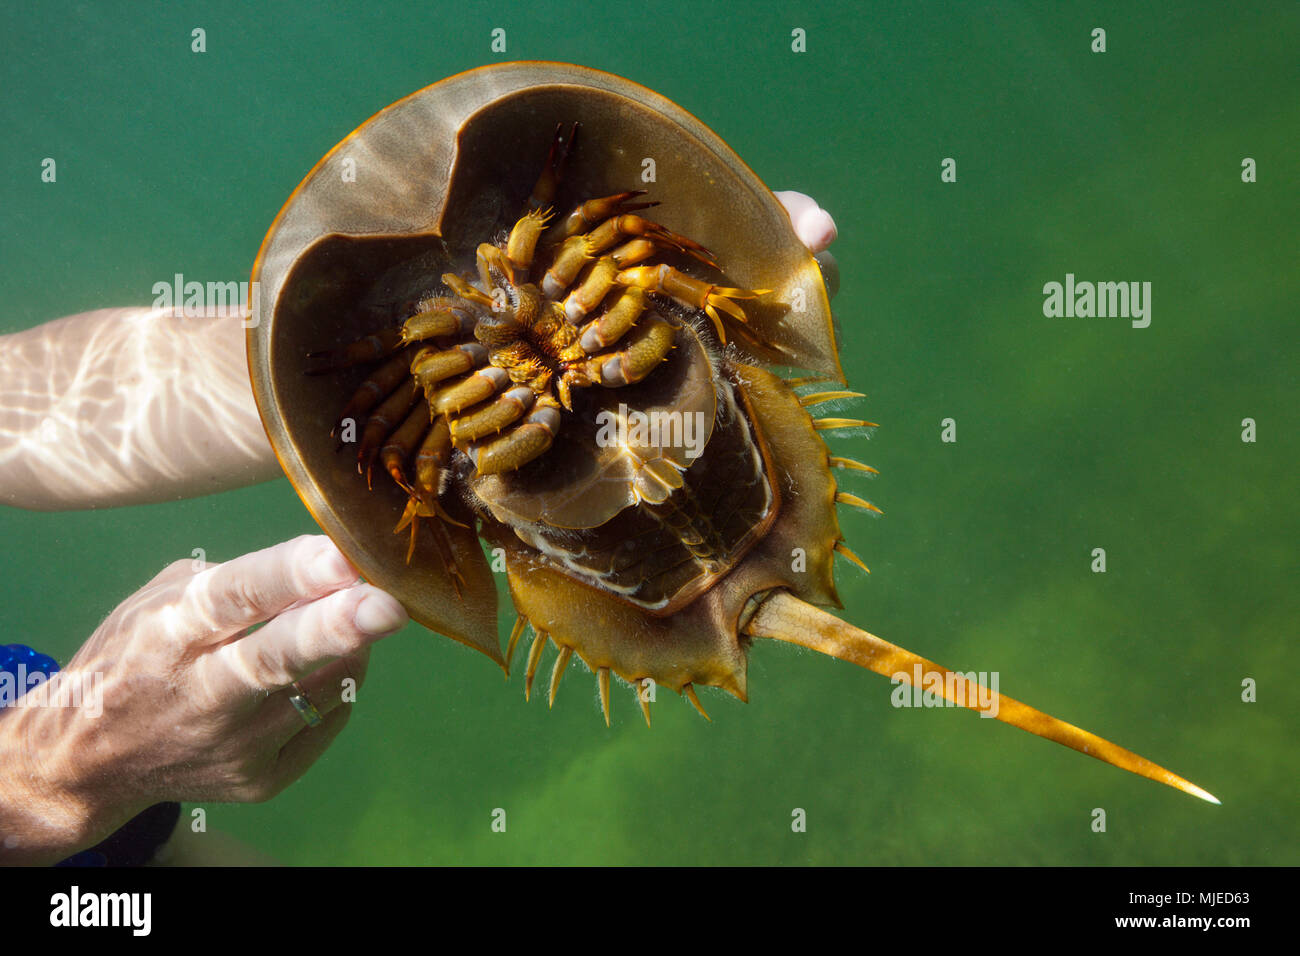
pixel 478 267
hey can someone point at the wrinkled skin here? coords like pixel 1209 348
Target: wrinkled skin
pixel 195 706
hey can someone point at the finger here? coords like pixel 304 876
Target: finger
pixel 306 747
pixel 299 641
pixel 812 224
pixel 176 571
pixel 325 688
pixel 227 598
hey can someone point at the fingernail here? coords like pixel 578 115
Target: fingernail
pixel 331 568
pixel 379 614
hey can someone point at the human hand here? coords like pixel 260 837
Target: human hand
pixel 195 705
pixel 812 224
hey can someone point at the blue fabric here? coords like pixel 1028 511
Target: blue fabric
pixel 11 655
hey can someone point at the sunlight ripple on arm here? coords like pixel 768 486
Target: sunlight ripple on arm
pixel 127 406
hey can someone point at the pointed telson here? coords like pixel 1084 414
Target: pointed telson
pixel 786 618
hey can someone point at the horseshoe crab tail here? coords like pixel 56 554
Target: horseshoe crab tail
pixel 786 618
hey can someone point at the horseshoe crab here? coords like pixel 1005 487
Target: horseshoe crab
pixel 475 273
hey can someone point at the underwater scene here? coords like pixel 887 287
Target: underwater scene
pixel 1081 497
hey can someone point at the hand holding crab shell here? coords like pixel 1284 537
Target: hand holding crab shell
pixel 194 699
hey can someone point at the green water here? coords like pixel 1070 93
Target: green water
pixel 1073 434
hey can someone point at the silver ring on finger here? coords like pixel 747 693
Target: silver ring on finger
pixel 303 705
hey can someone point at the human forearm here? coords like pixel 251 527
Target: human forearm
pixel 127 406
pixel 48 811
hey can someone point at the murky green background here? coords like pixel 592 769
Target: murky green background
pixel 1072 434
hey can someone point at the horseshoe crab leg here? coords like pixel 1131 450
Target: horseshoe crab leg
pixel 594 211
pixel 690 292
pixel 786 618
pixel 553 173
pixel 369 349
